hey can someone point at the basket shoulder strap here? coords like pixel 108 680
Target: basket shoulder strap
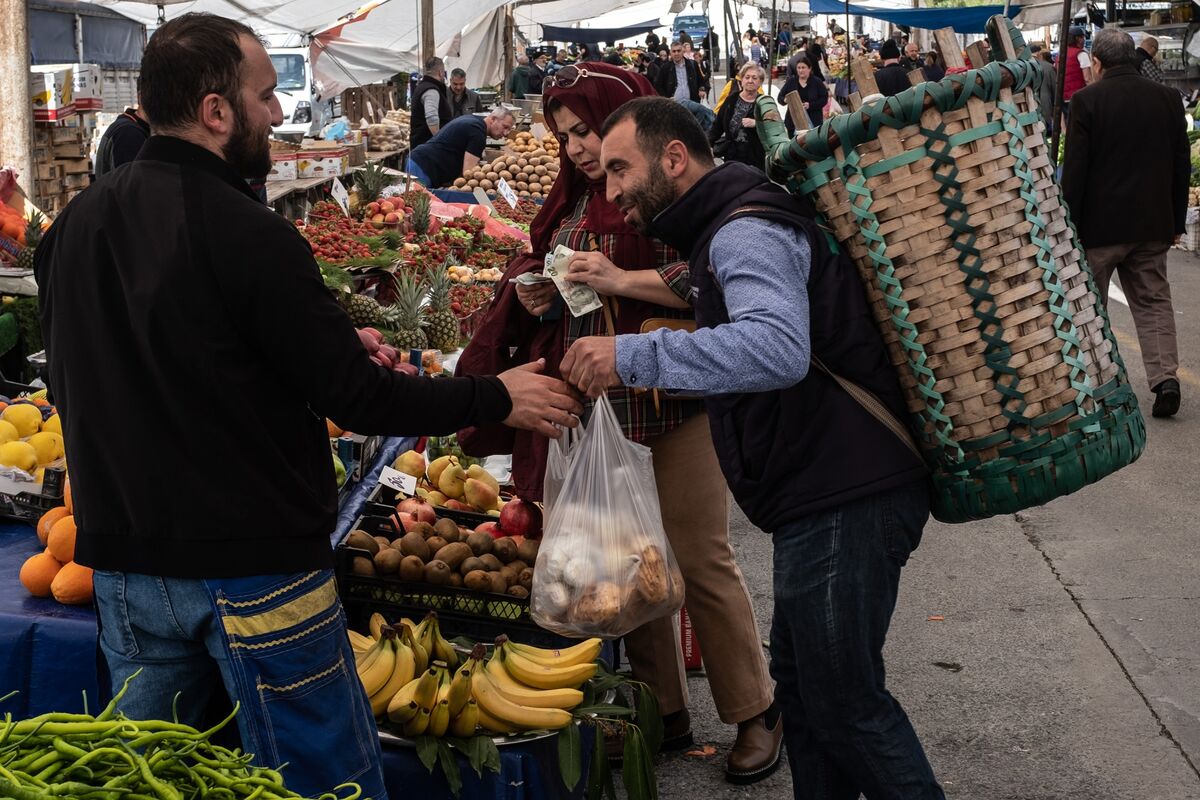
pixel 874 407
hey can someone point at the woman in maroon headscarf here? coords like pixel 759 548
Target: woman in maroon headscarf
pixel 642 282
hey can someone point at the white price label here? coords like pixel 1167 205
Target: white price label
pixel 394 479
pixel 507 193
pixel 341 196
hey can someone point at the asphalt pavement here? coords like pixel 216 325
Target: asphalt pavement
pixel 1048 655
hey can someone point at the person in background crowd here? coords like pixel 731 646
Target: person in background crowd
pixel 1078 67
pixel 703 114
pixel 122 141
pixel 518 79
pixel 1049 88
pixel 684 38
pixel 733 136
pixel 652 42
pixel 613 58
pixel 712 44
pixel 818 58
pixel 537 73
pixel 458 147
pixel 757 52
pixel 561 59
pixel 783 41
pixel 1146 62
pixel 911 58
pixel 430 103
pixel 891 77
pixel 463 101
pixel 934 67
pixel 814 94
pixel 646 281
pixel 237 588
pixel 679 79
pixel 768 291
pixel 1124 119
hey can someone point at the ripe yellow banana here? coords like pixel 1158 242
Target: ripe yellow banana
pixel 401 700
pixel 583 653
pixel 358 642
pixel 463 725
pixel 439 720
pixel 403 672
pixel 521 717
pixel 540 676
pixel 425 692
pixel 419 652
pixel 566 699
pixel 460 687
pixel 376 671
pixel 403 714
pixel 376 625
pixel 418 724
pixel 492 724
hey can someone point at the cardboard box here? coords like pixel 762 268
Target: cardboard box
pixel 87 84
pixel 324 163
pixel 52 94
pixel 284 167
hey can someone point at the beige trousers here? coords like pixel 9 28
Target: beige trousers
pixel 695 510
pixel 1143 270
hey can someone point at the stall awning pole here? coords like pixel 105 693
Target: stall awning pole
pixel 1064 34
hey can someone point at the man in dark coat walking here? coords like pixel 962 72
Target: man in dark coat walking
pixel 1126 145
pixel 679 79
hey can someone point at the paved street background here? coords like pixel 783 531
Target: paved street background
pixel 1067 666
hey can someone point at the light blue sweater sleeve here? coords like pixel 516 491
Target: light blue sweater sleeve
pixel 762 269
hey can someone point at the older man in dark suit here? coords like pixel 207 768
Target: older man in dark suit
pixel 1125 180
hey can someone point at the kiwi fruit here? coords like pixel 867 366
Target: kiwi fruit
pixel 511 574
pixel 364 541
pixel 527 551
pixel 447 529
pixel 505 549
pixel 456 580
pixel 478 581
pixel 412 569
pixel 471 564
pixel 363 566
pixel 481 543
pixel 519 565
pixel 526 579
pixel 387 560
pixel 519 592
pixel 424 528
pixel 490 562
pixel 499 584
pixel 437 573
pixel 411 544
pixel 453 554
pixel 435 543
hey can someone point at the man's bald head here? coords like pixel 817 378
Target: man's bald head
pixel 1150 45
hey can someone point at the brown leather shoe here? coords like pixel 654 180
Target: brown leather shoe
pixel 758 749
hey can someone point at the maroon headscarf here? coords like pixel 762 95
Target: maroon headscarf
pixel 507 324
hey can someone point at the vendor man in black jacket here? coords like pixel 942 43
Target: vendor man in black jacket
pixel 195 354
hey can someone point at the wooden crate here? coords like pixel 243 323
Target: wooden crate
pixel 381 97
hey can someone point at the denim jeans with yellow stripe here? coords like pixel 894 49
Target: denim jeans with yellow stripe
pixel 279 644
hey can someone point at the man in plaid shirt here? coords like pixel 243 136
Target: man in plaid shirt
pixel 1149 68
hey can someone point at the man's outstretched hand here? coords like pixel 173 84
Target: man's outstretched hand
pixel 540 403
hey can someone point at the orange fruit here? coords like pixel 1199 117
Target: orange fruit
pixel 72 585
pixel 38 573
pixel 61 541
pixel 47 522
pixel 41 402
pixel 334 430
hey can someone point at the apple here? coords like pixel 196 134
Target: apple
pixel 387 207
pixel 377 220
pixel 372 208
pixel 417 508
pixel 391 219
pixel 521 518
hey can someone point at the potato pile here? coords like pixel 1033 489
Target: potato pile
pixel 530 174
pixel 388 136
pixel 550 144
pixel 523 142
pixel 444 554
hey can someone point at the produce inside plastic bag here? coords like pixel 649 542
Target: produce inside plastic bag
pixel 604 567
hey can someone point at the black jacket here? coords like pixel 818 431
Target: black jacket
pixel 892 79
pixel 666 81
pixel 1125 175
pixel 469 103
pixel 810 447
pixel 816 94
pixel 419 131
pixel 750 151
pixel 121 142
pixel 194 354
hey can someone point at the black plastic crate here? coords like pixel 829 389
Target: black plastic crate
pixel 479 616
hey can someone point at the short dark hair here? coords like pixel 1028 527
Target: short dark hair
pixel 187 58
pixel 433 63
pixel 1114 48
pixel 458 72
pixel 659 121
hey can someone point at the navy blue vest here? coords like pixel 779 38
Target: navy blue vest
pixel 810 447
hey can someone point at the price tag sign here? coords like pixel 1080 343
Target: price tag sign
pixel 507 193
pixel 394 479
pixel 341 196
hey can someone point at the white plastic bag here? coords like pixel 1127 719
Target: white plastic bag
pixel 604 566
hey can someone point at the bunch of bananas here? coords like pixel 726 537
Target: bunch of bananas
pixel 419 688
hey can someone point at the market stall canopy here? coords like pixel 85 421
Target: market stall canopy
pixel 1039 15
pixel 265 16
pixel 555 33
pixel 969 19
pixel 108 38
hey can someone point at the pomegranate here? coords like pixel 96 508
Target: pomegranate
pixel 419 508
pixel 404 522
pixel 521 518
pixel 491 529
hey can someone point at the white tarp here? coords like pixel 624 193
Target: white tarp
pixel 1040 15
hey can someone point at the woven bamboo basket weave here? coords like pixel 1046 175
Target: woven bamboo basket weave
pixel 944 197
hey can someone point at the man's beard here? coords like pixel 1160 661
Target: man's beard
pixel 651 197
pixel 248 151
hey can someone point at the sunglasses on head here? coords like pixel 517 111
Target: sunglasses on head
pixel 570 75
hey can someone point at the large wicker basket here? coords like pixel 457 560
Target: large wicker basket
pixel 944 197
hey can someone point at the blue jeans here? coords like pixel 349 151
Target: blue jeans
pixel 279 644
pixel 837 574
pixel 418 172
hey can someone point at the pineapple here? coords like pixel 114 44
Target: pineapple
pixel 33 237
pixel 409 321
pixel 443 330
pixel 371 180
pixel 420 214
pixel 364 311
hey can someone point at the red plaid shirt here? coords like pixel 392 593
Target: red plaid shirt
pixel 635 410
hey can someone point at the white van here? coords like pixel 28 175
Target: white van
pixel 296 92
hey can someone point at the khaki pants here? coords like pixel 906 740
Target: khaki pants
pixel 695 510
pixel 1143 270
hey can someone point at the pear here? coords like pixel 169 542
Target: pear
pixel 432 496
pixel 480 474
pixel 410 463
pixel 452 479
pixel 437 466
pixel 479 494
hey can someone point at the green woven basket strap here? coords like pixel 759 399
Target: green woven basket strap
pixel 994 27
pixel 997 354
pixel 935 418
